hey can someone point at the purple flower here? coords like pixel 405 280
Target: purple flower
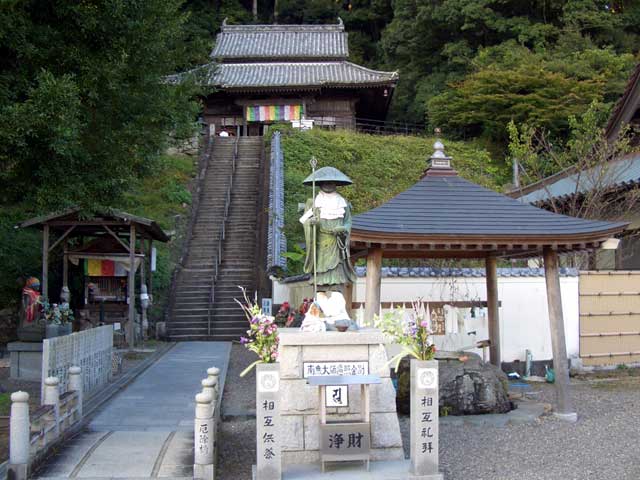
pixel 244 340
pixel 424 324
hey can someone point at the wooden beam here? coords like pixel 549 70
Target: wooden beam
pixel 131 288
pixel 564 408
pixel 45 261
pixel 120 241
pixel 63 237
pixel 492 308
pixel 373 282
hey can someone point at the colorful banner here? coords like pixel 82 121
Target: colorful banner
pixel 104 268
pixel 273 113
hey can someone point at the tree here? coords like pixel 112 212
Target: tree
pixel 597 170
pixel 83 105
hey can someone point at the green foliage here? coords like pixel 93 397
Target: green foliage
pixel 381 167
pixel 512 83
pixel 147 197
pixel 438 49
pixel 83 108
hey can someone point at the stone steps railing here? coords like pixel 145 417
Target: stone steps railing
pixel 31 438
pixel 205 429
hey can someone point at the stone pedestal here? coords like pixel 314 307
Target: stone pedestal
pixel 26 361
pixel 364 352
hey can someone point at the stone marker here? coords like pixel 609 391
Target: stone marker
pixel 268 441
pixel 424 421
pixel 203 438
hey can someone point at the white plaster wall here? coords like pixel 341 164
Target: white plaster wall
pixel 524 320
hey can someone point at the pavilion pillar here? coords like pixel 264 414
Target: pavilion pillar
pixel 374 278
pixel 492 307
pixel 45 262
pixel 131 288
pixel 65 264
pixel 565 409
pixel 150 286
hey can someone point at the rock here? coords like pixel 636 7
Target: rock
pixel 468 386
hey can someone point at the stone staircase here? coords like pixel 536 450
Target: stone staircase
pixel 192 316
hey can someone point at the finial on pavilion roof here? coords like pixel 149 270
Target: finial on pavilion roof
pixel 439 162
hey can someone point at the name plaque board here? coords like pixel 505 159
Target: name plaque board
pixel 345 440
pixel 323 369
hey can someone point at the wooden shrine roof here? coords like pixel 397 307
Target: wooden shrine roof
pixel 445 212
pixel 116 220
pixel 285 75
pixel 281 42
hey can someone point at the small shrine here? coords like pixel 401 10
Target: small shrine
pixel 108 249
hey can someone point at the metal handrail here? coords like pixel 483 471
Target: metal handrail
pixel 222 233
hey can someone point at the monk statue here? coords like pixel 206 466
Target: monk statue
pixel 327 226
pixel 30 328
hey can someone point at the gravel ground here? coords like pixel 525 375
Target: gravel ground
pixel 603 444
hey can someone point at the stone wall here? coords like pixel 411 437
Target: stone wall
pixel 299 401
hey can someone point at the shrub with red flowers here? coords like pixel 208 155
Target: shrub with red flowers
pixel 262 336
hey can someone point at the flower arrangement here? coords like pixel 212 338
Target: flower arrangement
pixel 55 314
pixel 410 331
pixel 262 336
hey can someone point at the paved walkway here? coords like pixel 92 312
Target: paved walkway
pixel 146 431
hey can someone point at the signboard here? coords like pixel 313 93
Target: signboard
pixel 349 440
pixel 154 258
pixel 323 369
pixel 337 396
pixel 267 306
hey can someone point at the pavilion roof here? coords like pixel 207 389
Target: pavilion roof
pixel 445 211
pixel 290 75
pixel 118 221
pixel 290 42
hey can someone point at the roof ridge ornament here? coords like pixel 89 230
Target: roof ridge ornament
pixel 439 163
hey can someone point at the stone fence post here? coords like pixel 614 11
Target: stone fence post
pixel 52 397
pixel 19 433
pixel 203 438
pixel 214 374
pixel 75 385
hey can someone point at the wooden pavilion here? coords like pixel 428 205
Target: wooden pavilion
pixel 264 74
pixel 113 239
pixel 446 216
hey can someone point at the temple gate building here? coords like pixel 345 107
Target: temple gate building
pixel 272 73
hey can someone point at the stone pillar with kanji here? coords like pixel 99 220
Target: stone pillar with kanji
pixel 424 421
pixel 268 442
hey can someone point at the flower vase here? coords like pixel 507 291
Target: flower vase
pixel 52 331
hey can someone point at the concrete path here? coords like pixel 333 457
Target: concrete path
pixel 146 431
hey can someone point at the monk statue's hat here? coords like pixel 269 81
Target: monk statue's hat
pixel 328 174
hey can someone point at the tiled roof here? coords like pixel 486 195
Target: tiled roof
pixel 451 205
pixel 622 172
pixel 303 74
pixel 424 272
pixel 281 42
pixel 432 272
